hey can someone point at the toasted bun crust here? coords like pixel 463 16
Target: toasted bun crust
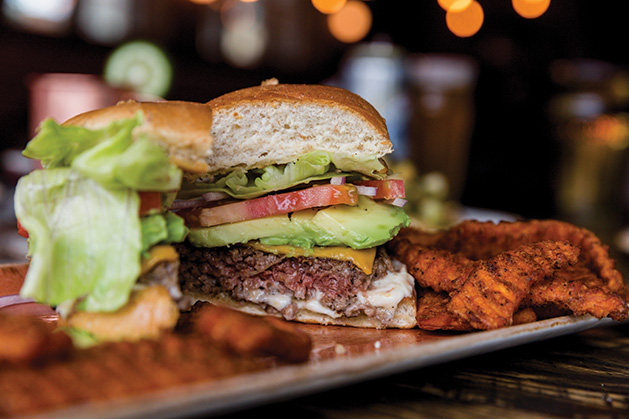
pixel 182 128
pixel 277 123
pixel 404 316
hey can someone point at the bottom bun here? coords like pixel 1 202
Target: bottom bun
pixel 404 316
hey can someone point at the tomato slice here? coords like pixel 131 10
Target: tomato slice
pixel 150 201
pixel 386 189
pixel 315 196
pixel 21 230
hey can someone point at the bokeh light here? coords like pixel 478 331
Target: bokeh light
pixel 352 23
pixel 449 4
pixel 244 35
pixel 239 14
pixel 530 9
pixel 42 16
pixel 328 6
pixel 107 22
pixel 465 20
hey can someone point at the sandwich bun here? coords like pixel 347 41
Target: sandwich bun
pixel 404 315
pixel 181 128
pixel 277 123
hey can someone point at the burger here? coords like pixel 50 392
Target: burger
pixel 97 216
pixel 291 217
pixel 273 200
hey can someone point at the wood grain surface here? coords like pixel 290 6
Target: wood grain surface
pixel 12 277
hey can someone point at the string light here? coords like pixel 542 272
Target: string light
pixel 328 6
pixel 448 4
pixel 352 23
pixel 465 18
pixel 244 36
pixel 530 9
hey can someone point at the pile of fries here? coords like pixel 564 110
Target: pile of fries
pixel 484 275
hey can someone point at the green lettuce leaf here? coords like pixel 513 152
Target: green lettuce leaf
pixel 314 166
pixel 121 162
pixel 56 145
pixel 80 338
pixel 84 239
pixel 162 229
pixel 112 156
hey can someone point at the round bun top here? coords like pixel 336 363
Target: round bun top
pixel 299 93
pixel 277 123
pixel 182 128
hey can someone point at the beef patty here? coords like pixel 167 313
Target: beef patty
pixel 242 271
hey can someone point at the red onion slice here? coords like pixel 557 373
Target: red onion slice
pixel 13 299
pixel 214 196
pixel 399 202
pixel 337 180
pixel 366 190
pixel 187 203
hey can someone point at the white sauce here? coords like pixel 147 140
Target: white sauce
pixel 387 292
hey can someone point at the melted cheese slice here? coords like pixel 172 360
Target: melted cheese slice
pixel 363 258
pixel 157 254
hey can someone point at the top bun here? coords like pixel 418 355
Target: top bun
pixel 277 123
pixel 182 128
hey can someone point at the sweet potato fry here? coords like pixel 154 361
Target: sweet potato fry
pixel 27 339
pixel 525 315
pixel 247 334
pixel 496 287
pixel 438 269
pixel 482 240
pixel 432 313
pixel 483 275
pixel 579 291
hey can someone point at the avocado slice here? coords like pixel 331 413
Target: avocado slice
pixel 366 225
pixel 284 226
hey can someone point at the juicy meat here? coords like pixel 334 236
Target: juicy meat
pixel 242 271
pixel 166 274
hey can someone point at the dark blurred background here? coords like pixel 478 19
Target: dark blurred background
pixel 524 66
